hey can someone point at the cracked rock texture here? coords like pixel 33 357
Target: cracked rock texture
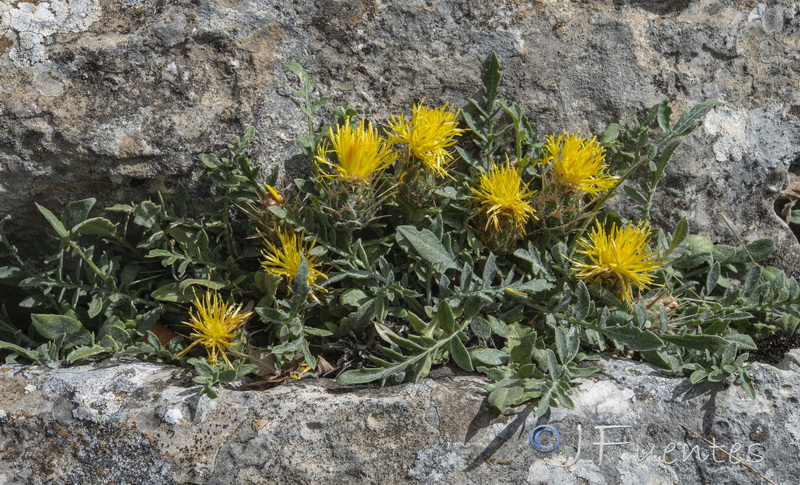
pixel 128 422
pixel 116 98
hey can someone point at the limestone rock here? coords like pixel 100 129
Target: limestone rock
pixel 116 98
pixel 132 422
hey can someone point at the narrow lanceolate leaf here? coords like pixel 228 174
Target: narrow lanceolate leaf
pixel 27 353
pixel 634 338
pixel 54 222
pixel 445 316
pixel 582 306
pixel 696 342
pixel 680 233
pixel 365 374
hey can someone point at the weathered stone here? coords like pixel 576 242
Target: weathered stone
pixel 115 99
pixel 132 422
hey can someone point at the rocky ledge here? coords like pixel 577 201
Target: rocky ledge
pixel 124 421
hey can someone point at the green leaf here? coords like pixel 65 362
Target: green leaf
pixel 76 212
pixel 506 393
pixel 96 226
pixel 680 233
pixel 689 119
pixel 583 305
pixel 11 273
pixel 610 134
pixel 184 285
pixel 567 344
pixel 760 248
pixel 29 354
pixel 713 277
pixel 460 354
pixel 444 314
pixel 85 351
pixel 492 76
pixel 53 327
pixel 532 286
pixel 635 194
pixel 548 397
pixel 54 222
pixel 317 332
pixel 364 375
pixel 172 292
pixel 480 327
pixel 741 341
pixel 633 337
pixel 491 357
pixel 693 251
pixel 499 327
pixel 751 279
pixel 278 211
pixel 146 214
pixel 96 305
pixel 489 270
pixel 662 360
pixel 697 376
pixel 428 246
pixel 723 253
pixel 663 116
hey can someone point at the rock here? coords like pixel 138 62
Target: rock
pixel 116 99
pixel 134 422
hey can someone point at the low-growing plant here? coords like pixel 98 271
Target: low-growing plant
pixel 408 247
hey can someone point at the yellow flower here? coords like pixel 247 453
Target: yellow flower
pixel 284 260
pixel 621 258
pixel 214 323
pixel 360 153
pixel 578 163
pixel 502 196
pixel 429 134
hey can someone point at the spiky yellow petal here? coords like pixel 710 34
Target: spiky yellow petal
pixel 429 134
pixel 284 259
pixel 214 323
pixel 621 258
pixel 359 151
pixel 502 196
pixel 579 163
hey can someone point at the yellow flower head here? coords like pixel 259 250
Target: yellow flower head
pixel 621 258
pixel 502 195
pixel 578 163
pixel 429 134
pixel 360 153
pixel 214 323
pixel 284 259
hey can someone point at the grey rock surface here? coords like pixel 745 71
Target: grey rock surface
pixel 116 98
pixel 128 422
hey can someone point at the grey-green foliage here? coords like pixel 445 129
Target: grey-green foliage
pixel 106 279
